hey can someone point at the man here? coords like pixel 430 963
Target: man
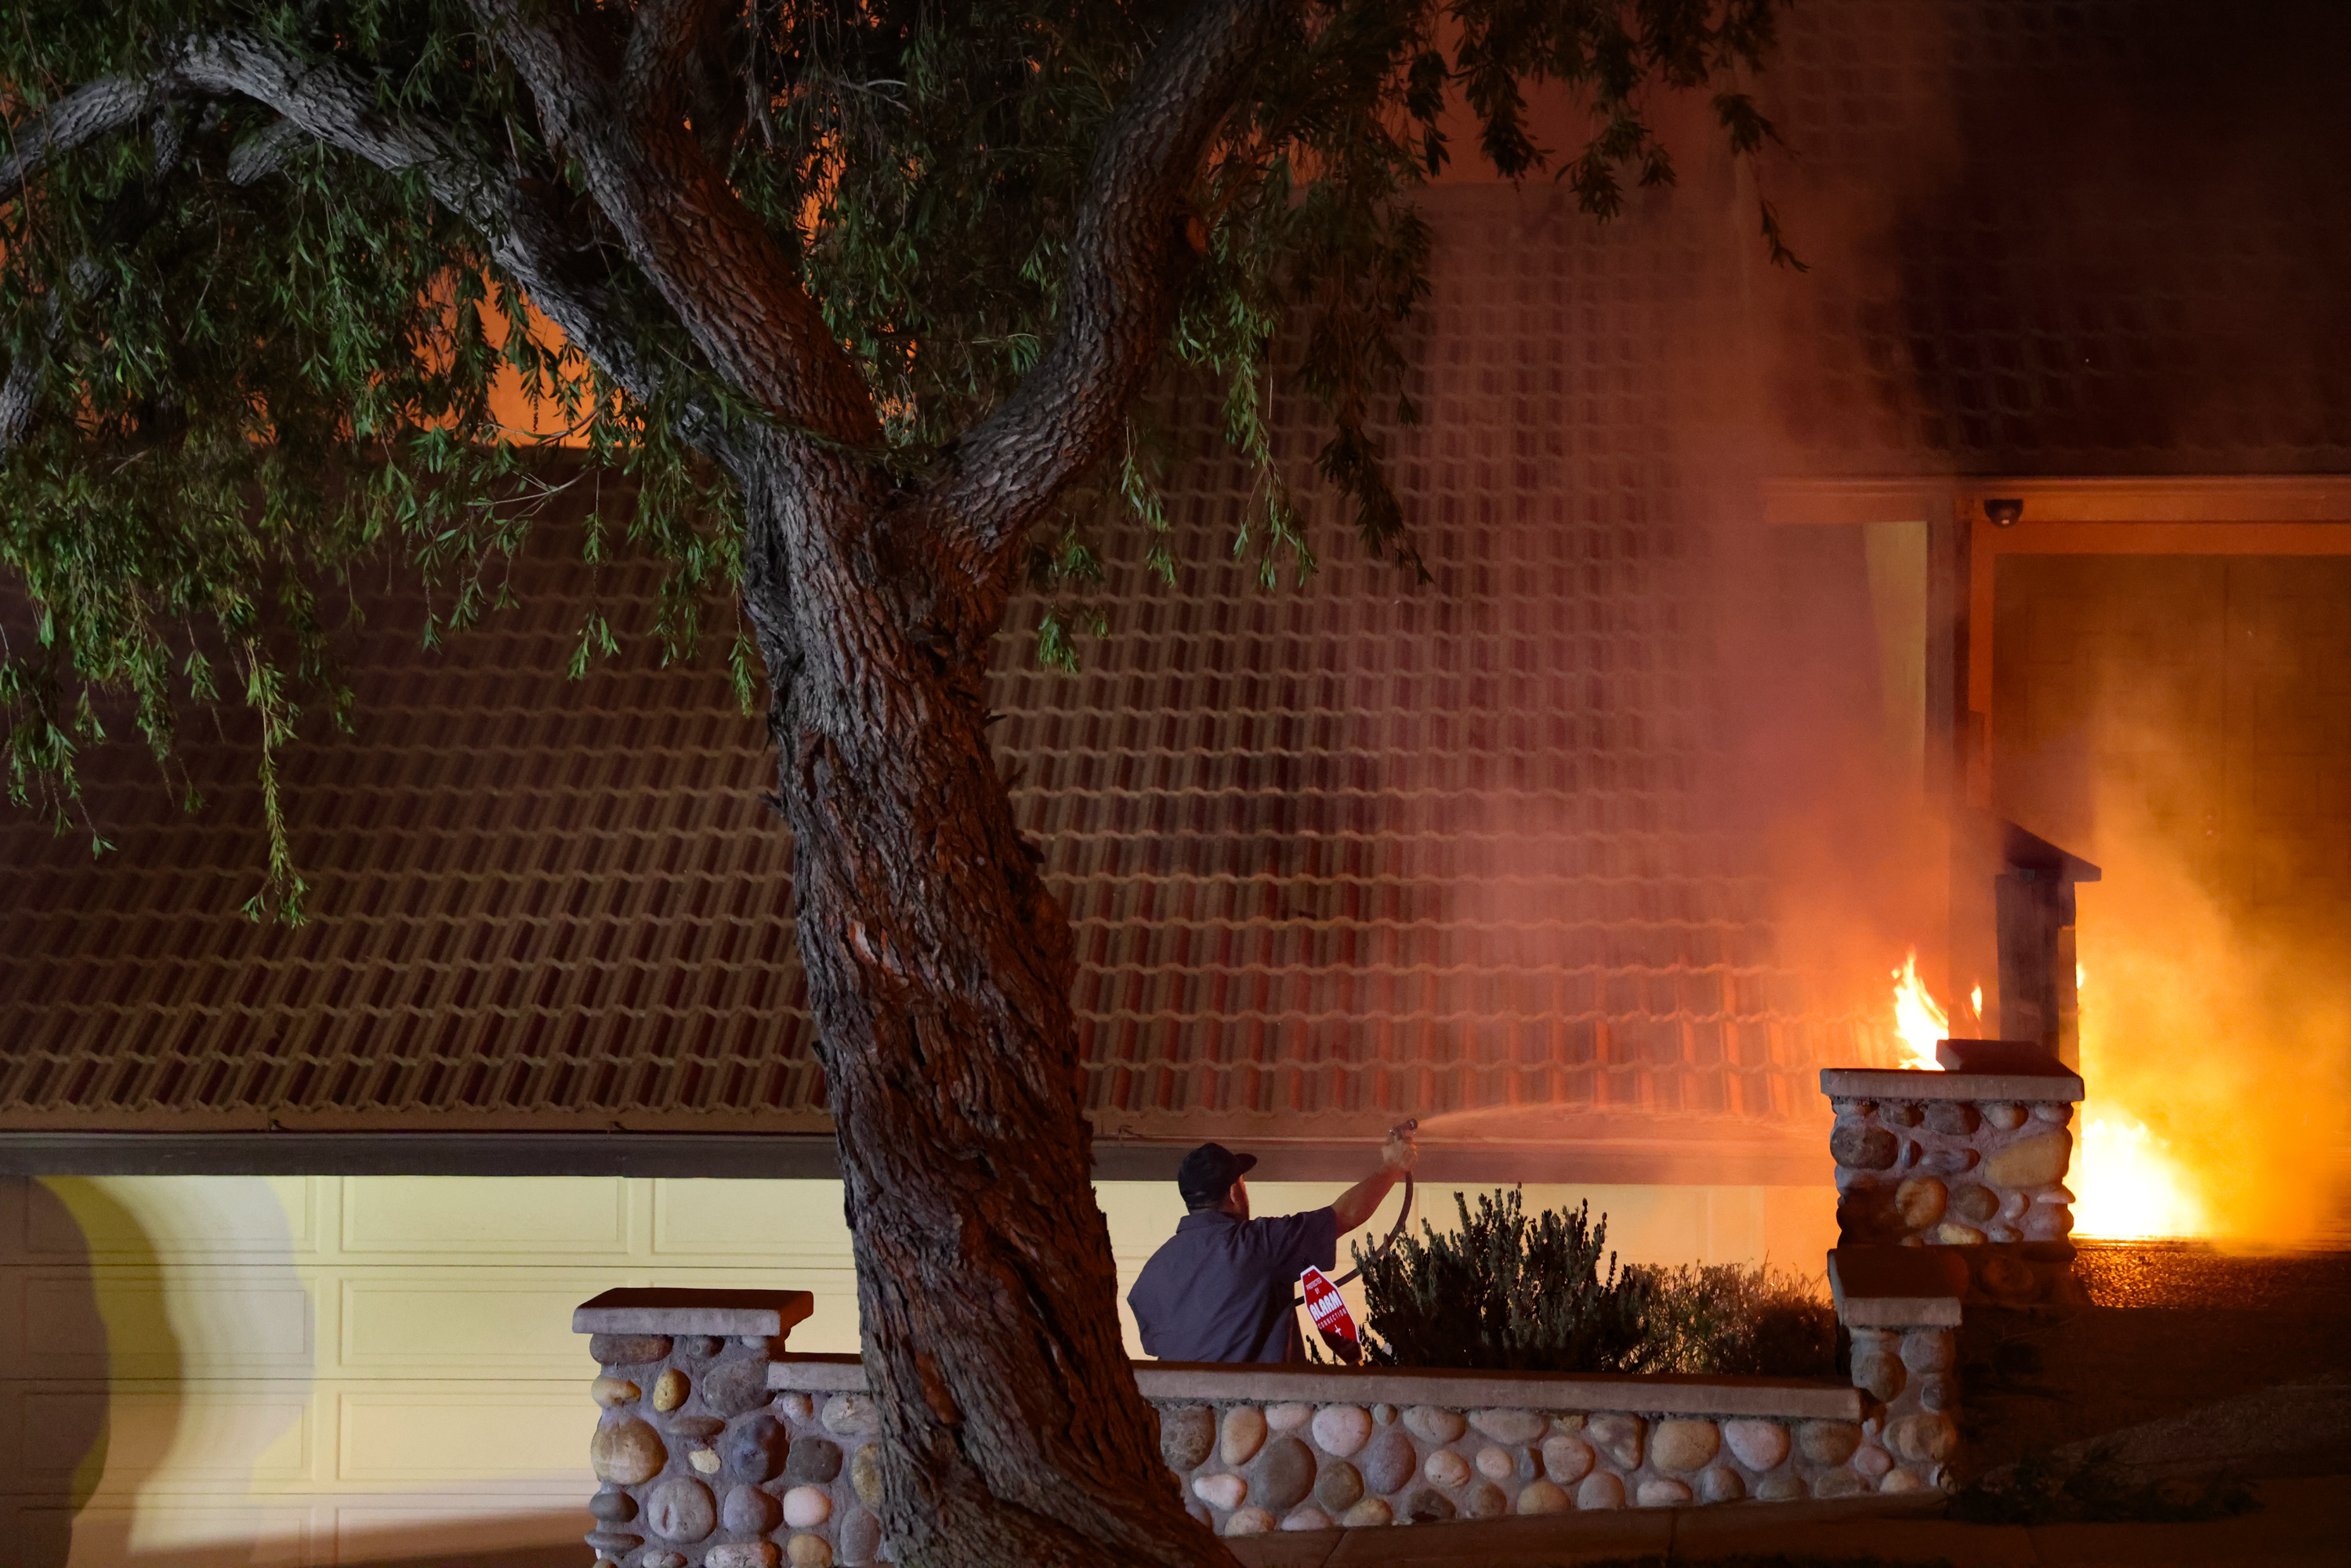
pixel 1220 1290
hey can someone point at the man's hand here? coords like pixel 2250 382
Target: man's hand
pixel 1397 1156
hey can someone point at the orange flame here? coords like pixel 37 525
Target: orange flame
pixel 2127 1184
pixel 1918 1020
pixel 2126 1179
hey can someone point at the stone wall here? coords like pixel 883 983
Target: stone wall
pixel 1965 1160
pixel 720 1451
pixel 696 1466
pixel 1902 1307
pixel 714 1448
pixel 687 1448
pixel 1265 1447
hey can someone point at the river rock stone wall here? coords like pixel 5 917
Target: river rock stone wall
pixel 1247 1467
pixel 706 1456
pixel 1910 1377
pixel 1988 1176
pixel 699 1465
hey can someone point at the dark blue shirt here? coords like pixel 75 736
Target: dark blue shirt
pixel 1221 1288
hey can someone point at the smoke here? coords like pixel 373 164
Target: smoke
pixel 1828 775
pixel 1747 848
pixel 2171 718
pixel 1681 776
pixel 2219 1019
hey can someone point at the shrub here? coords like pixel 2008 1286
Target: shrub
pixel 1511 1292
pixel 1505 1293
pixel 1738 1319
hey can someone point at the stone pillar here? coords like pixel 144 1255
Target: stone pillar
pixel 1902 1309
pixel 687 1450
pixel 1971 1161
pixel 1951 1189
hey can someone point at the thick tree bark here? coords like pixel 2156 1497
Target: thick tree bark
pixel 938 964
pixel 939 967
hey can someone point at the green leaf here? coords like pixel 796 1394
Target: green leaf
pixel 254 396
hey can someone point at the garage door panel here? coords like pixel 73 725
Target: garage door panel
pixel 148 1325
pixel 443 1321
pixel 137 1219
pixel 768 1221
pixel 453 1528
pixel 502 1217
pixel 485 1433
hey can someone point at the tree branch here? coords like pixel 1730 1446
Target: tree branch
pixel 1127 262
pixel 527 236
pixel 668 50
pixel 736 294
pixel 17 394
pixel 676 67
pixel 263 153
pixel 91 110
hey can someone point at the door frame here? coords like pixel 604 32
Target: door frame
pixel 2126 517
pixel 2221 515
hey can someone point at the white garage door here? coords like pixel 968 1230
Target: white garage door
pixel 199 1372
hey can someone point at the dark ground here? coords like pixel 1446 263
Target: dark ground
pixel 2259 1348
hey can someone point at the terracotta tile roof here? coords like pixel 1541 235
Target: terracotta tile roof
pixel 534 895
pixel 1361 851
pixel 1332 855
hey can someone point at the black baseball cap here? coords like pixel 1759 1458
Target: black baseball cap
pixel 1209 1171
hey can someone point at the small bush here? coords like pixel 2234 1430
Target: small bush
pixel 1505 1293
pixel 1741 1320
pixel 1512 1291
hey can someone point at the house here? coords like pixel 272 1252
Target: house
pixel 1599 844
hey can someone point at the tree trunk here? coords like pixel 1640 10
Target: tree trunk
pixel 939 969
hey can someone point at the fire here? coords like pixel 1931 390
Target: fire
pixel 2126 1179
pixel 2126 1183
pixel 1918 1020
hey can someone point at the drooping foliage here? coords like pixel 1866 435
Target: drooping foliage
pixel 240 361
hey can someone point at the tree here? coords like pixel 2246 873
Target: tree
pixel 865 299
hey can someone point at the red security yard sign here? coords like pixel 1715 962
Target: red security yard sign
pixel 1329 1311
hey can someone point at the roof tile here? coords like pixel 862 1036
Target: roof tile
pixel 1329 855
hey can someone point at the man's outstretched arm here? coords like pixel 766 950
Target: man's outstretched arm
pixel 1360 1202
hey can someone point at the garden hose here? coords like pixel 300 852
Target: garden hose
pixel 1403 1214
pixel 1386 1241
